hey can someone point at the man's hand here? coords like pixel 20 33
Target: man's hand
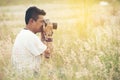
pixel 47 32
pixel 46 37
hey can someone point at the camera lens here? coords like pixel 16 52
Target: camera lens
pixel 54 25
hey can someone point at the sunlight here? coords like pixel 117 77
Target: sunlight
pixel 104 3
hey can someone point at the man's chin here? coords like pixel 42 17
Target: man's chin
pixel 39 31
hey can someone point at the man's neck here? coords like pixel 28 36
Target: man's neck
pixel 29 28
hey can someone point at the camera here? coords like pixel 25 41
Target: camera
pixel 54 25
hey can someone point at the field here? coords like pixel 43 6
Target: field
pixel 86 43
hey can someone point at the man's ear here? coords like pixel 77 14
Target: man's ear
pixel 31 20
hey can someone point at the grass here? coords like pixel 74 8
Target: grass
pixel 85 48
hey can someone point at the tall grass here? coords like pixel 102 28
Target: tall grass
pixel 81 52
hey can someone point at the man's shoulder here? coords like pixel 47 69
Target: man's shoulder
pixel 26 36
pixel 26 33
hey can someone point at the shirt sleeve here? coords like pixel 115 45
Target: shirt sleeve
pixel 35 46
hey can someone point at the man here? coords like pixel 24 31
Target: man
pixel 28 47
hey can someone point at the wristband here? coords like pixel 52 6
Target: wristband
pixel 49 40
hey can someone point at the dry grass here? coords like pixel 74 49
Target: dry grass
pixel 82 50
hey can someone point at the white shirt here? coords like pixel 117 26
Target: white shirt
pixel 26 51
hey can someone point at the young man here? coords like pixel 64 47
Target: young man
pixel 28 47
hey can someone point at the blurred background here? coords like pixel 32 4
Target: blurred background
pixel 86 43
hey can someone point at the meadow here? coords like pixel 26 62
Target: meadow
pixel 86 43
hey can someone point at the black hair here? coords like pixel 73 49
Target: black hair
pixel 33 12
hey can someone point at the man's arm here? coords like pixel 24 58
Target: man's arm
pixel 46 38
pixel 49 50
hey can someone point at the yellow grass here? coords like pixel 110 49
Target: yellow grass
pixel 86 43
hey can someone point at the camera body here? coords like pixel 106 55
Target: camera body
pixel 54 25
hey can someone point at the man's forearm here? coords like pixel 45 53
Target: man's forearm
pixel 49 49
pixel 47 52
pixel 49 45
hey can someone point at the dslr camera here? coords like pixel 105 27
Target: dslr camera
pixel 47 31
pixel 54 25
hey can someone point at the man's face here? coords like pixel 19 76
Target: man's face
pixel 37 25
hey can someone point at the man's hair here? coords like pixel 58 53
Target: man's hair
pixel 33 12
